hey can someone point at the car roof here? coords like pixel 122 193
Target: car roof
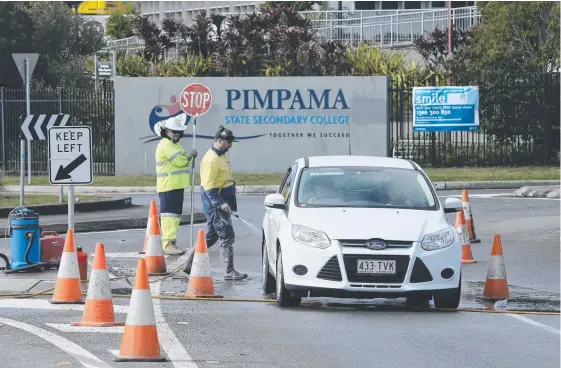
pixel 350 160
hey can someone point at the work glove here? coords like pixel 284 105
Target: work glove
pixel 191 155
pixel 226 208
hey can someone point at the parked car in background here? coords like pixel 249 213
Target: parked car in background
pixel 360 227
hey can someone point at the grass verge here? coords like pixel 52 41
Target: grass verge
pixel 436 175
pixel 12 200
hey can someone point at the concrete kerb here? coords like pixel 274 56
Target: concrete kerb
pixel 114 224
pixel 267 189
pixel 545 191
pixel 62 208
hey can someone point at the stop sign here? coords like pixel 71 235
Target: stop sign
pixel 195 99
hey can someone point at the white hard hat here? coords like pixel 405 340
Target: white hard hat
pixel 176 123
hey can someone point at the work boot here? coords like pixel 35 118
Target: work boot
pixel 189 263
pixel 228 259
pixel 171 249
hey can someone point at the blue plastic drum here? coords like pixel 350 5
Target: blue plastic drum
pixel 23 223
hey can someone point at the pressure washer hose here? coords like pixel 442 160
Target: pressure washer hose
pixel 31 236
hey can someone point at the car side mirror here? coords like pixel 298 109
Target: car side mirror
pixel 452 205
pixel 275 200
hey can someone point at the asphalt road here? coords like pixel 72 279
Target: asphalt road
pixel 346 334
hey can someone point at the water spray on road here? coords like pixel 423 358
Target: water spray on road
pixel 255 229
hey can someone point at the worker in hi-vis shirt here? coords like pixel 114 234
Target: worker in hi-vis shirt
pixel 172 177
pixel 218 196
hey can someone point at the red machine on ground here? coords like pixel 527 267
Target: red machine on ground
pixel 52 246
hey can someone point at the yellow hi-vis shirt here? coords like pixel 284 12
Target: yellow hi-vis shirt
pixel 172 166
pixel 215 171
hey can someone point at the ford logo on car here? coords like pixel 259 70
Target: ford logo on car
pixel 375 244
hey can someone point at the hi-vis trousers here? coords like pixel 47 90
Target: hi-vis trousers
pixel 171 208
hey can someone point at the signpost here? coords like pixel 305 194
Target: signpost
pixel 195 100
pixel 445 109
pixel 25 64
pixel 70 160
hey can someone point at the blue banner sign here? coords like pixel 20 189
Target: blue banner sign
pixel 445 109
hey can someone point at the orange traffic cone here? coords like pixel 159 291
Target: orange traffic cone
pixel 200 278
pixel 470 222
pixel 68 289
pixel 140 341
pixel 98 311
pixel 496 285
pixel 153 212
pixel 467 256
pixel 155 258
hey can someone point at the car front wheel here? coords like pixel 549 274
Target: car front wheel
pixel 284 299
pixel 268 283
pixel 448 299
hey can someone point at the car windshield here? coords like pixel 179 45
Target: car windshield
pixel 364 187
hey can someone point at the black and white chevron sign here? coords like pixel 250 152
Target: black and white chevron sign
pixel 35 127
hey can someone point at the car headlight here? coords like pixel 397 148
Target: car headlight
pixel 438 240
pixel 310 237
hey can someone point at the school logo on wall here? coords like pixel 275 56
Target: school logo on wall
pixel 163 112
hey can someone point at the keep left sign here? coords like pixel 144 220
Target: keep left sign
pixel 70 155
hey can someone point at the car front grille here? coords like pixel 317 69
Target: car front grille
pixel 331 271
pixel 401 265
pixel 353 243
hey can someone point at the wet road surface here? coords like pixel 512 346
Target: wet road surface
pixel 325 332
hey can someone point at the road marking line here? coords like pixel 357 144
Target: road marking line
pixel 532 322
pixel 83 356
pixel 115 353
pixel 67 328
pixel 175 351
pixel 44 304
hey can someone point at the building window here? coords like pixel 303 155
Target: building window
pixel 438 4
pixel 390 5
pixel 412 5
pixel 365 5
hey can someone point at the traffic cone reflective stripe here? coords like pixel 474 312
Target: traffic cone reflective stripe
pixel 98 311
pixel 467 256
pixel 152 212
pixel 68 289
pixel 155 258
pixel 140 340
pixel 496 284
pixel 470 223
pixel 200 279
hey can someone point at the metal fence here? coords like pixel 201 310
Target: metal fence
pixel 384 28
pixel 519 125
pixel 94 108
pixel 388 30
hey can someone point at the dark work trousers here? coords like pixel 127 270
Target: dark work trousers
pixel 171 208
pixel 218 224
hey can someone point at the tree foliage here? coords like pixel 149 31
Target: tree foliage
pixel 62 39
pixel 517 38
pixel 119 26
pixel 277 41
pixel 433 47
pixel 294 5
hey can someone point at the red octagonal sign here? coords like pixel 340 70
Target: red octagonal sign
pixel 195 99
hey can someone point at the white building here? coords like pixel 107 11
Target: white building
pixel 188 10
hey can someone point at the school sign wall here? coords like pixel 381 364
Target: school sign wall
pixel 275 120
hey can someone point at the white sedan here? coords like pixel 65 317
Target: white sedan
pixel 360 227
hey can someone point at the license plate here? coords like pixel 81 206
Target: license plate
pixel 376 266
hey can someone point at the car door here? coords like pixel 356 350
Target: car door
pixel 279 217
pixel 272 227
